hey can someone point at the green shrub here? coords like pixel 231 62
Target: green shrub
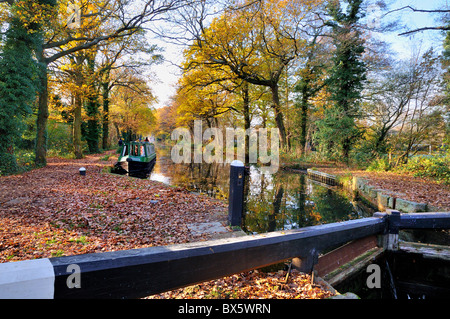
pixel 59 140
pixel 25 159
pixel 379 164
pixel 8 164
pixel 436 167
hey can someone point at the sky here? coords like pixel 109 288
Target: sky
pixel 167 74
pixel 404 46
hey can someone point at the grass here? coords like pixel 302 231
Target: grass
pixel 79 240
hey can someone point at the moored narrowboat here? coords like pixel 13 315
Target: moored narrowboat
pixel 136 159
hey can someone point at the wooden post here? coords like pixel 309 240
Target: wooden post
pixel 393 229
pixel 236 195
pixel 306 263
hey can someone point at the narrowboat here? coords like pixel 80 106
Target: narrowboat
pixel 136 159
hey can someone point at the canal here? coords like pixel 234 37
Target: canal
pixel 280 201
pixel 290 200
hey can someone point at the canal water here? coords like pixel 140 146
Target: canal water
pixel 280 201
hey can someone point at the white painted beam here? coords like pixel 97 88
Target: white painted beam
pixel 28 279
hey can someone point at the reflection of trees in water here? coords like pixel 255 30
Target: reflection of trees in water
pixel 208 178
pixel 289 200
pixel 273 202
pixel 211 179
pixel 280 204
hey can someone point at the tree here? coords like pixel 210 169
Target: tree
pixel 422 121
pixel 131 111
pixel 442 10
pixel 388 102
pixel 345 80
pixel 92 106
pixel 110 20
pixel 18 85
pixel 446 84
pixel 310 82
pixel 91 74
pixel 166 121
pixel 116 59
pixel 256 41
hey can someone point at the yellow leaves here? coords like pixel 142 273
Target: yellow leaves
pixel 130 106
pixel 4 13
pixel 32 12
pixel 320 102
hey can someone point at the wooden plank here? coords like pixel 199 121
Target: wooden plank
pixel 322 177
pixel 142 272
pixel 342 255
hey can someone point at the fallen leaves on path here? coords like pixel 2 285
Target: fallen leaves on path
pixel 54 211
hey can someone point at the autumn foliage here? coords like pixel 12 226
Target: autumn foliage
pixel 254 285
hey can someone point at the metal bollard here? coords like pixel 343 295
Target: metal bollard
pixel 82 171
pixel 236 195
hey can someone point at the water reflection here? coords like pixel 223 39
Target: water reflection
pixel 280 201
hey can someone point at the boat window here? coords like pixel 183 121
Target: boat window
pixel 142 150
pixel 125 151
pixel 135 150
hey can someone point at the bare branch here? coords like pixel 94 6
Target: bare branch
pixel 439 28
pixel 446 28
pixel 420 10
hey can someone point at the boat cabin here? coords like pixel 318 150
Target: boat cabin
pixel 138 149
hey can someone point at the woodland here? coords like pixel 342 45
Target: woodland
pixel 78 75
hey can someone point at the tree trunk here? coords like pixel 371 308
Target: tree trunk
pixel 246 108
pixel 276 209
pixel 92 107
pixel 278 114
pixel 105 136
pixel 42 116
pixel 303 116
pixel 77 147
pixel 346 145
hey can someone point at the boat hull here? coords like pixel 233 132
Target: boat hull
pixel 135 168
pixel 140 169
